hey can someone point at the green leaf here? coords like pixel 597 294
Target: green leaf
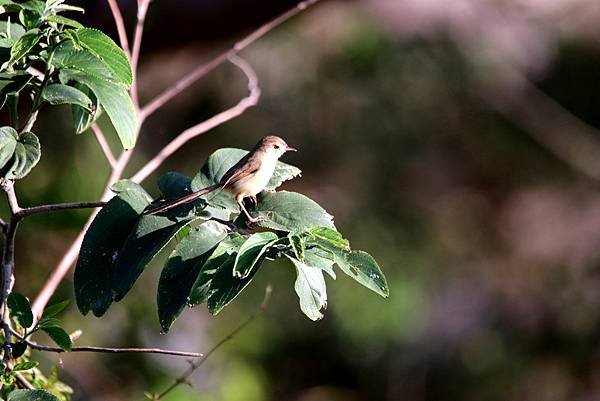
pixel 217 165
pixel 20 309
pixel 114 99
pixel 48 322
pixel 55 309
pixel 84 117
pixel 8 143
pixel 297 245
pixel 59 336
pixel 291 211
pixel 320 259
pixel 311 290
pixel 183 267
pixel 67 56
pixel 364 269
pixel 331 236
pixel 251 252
pixel 27 155
pixel 148 237
pixel 31 395
pixel 63 94
pixel 224 287
pixel 59 19
pixel 22 47
pixel 111 55
pixel 101 245
pixel 201 288
pixel 25 365
pixel 128 185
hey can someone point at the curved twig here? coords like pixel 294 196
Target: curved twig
pixel 204 69
pixel 24 212
pixel 207 125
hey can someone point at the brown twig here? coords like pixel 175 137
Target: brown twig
pixel 204 69
pixel 137 44
pixel 207 125
pixel 110 157
pixel 107 350
pixel 195 365
pixel 118 17
pixel 24 212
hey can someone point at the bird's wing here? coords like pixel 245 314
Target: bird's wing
pixel 247 165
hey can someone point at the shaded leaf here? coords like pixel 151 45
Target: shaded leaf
pixel 251 252
pixel 101 245
pixel 321 260
pixel 310 288
pixel 26 156
pixel 31 395
pixel 201 288
pixel 8 142
pixel 18 349
pixel 148 237
pixel 291 211
pixel 182 269
pixel 59 336
pixel 20 309
pixel 84 117
pixel 63 94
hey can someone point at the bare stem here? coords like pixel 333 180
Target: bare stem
pixel 204 69
pixel 195 365
pixel 110 157
pixel 107 350
pixel 24 212
pixel 137 44
pixel 207 125
pixel 118 17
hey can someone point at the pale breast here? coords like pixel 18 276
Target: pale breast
pixel 256 182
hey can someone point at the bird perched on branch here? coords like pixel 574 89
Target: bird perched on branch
pixel 245 179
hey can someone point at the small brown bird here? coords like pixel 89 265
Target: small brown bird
pixel 244 179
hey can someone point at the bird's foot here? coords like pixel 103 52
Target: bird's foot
pixel 253 200
pixel 252 221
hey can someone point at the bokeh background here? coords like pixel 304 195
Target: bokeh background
pixel 456 141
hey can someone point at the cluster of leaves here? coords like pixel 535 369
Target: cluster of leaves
pixel 46 58
pixel 216 255
pixel 22 316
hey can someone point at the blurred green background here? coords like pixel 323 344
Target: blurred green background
pixel 455 141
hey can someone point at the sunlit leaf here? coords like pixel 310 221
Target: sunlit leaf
pixel 59 336
pixel 251 252
pixel 8 143
pixel 31 395
pixel 310 288
pixel 63 94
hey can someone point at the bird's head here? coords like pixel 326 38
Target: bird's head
pixel 274 145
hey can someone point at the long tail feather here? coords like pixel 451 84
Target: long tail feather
pixel 182 200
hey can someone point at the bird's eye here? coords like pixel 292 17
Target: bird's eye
pixel 276 146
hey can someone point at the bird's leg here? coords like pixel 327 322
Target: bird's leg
pixel 240 201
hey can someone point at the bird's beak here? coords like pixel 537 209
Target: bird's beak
pixel 290 149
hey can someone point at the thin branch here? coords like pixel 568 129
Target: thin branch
pixel 118 17
pixel 106 350
pixel 8 265
pixel 137 44
pixel 56 207
pixel 195 365
pixel 110 157
pixel 201 128
pixel 204 69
